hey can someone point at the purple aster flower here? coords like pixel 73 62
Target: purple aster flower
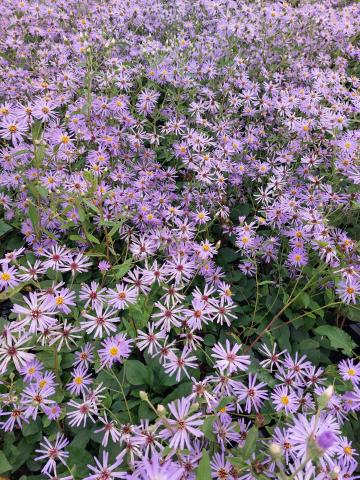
pixel 349 370
pixel 227 358
pixel 53 452
pixel 253 394
pixel 185 425
pixel 284 399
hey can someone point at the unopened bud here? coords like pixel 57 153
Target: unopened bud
pixel 275 451
pixel 161 410
pixel 143 395
pixel 325 397
pixel 335 473
pixel 194 407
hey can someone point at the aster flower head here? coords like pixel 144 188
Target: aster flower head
pixel 227 358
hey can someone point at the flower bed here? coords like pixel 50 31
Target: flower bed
pixel 179 239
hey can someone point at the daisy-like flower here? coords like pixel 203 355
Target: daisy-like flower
pixel 109 430
pixel 102 322
pixel 38 315
pixel 53 452
pixel 122 297
pixel 31 271
pixel 297 365
pixel 31 370
pixel 180 269
pixel 183 427
pixel 305 429
pixel 8 277
pixel 345 451
pixel 114 349
pixel 253 394
pixel 34 398
pixel 82 412
pixel 156 468
pixel 53 411
pixel 221 468
pixel 16 418
pixel 350 370
pixel 84 356
pixel 103 470
pixel 150 340
pixel 273 359
pixel 44 110
pixel 284 399
pixel 348 290
pixel 65 333
pixel 63 299
pixel 222 312
pixel 227 359
pixel 77 264
pixel 92 294
pixel 80 381
pixel 14 129
pixel 12 349
pixel 169 316
pixel 179 365
pixel 57 257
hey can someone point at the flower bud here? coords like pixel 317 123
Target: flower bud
pixel 325 397
pixel 161 410
pixel 143 395
pixel 275 451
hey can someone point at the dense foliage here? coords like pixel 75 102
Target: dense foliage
pixel 179 266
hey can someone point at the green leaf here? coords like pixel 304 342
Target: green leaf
pixel 223 402
pixel 227 255
pixel 4 464
pixel 204 469
pixel 34 216
pixel 250 443
pixel 92 239
pixel 4 228
pixel 77 238
pixel 208 428
pixel 121 270
pixel 13 291
pixel 136 373
pixel 338 338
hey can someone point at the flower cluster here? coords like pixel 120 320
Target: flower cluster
pixel 179 195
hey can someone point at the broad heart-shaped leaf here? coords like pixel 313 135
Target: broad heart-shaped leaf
pixel 4 464
pixel 250 444
pixel 338 338
pixel 204 469
pixel 136 372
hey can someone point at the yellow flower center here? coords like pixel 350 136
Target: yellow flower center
pixel 351 372
pixel 5 276
pixel 284 400
pixel 348 450
pixel 114 351
pixel 59 300
pixel 78 380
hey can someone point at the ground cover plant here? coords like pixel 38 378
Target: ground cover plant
pixel 179 257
